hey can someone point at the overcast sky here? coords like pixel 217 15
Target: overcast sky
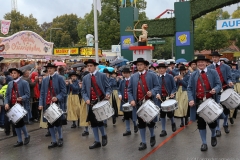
pixel 46 10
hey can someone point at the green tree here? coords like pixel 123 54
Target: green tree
pixel 206 36
pixel 163 51
pixel 19 22
pixel 108 23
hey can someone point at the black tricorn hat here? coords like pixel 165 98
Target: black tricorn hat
pixel 141 60
pixel 126 70
pixel 171 63
pixel 73 73
pixel 182 68
pixel 163 65
pixel 15 69
pixel 50 65
pixel 91 61
pixel 201 57
pixel 190 63
pixel 215 54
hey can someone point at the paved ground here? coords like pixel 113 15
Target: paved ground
pixel 184 144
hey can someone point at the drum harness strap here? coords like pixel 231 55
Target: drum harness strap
pixel 164 84
pixel 144 92
pixel 204 86
pixel 16 92
pixel 95 90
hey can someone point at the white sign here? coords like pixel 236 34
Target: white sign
pixel 116 48
pixel 228 24
pixel 5 25
pixel 27 43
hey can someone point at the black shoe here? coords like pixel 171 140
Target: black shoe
pixel 231 120
pixel 174 127
pixel 85 133
pixel 18 144
pixel 152 141
pixel 163 133
pixel 105 125
pixel 186 121
pixel 218 133
pixel 48 134
pixel 213 141
pixel 127 133
pixel 135 129
pixel 181 125
pixel 60 142
pixel 53 145
pixel 142 146
pixel 204 147
pixel 226 129
pixel 73 126
pixel 104 140
pixel 95 145
pixel 27 140
pixel 114 120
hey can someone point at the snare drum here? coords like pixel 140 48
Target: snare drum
pixel 52 113
pixel 16 113
pixel 148 111
pixel 169 105
pixel 209 110
pixel 127 107
pixel 103 110
pixel 230 99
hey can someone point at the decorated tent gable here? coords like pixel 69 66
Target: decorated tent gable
pixel 26 42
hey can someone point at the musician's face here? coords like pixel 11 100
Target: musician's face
pixel 172 65
pixel 15 75
pixel 74 77
pixel 162 70
pixel 51 70
pixel 215 59
pixel 194 66
pixel 234 67
pixel 141 66
pixel 26 74
pixel 91 67
pixel 201 64
pixel 126 75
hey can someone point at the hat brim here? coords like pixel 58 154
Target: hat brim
pixel 17 70
pixel 94 63
pixel 145 62
pixel 161 66
pixel 196 60
pixel 73 74
pixel 219 55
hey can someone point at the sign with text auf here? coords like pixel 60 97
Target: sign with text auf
pixel 89 51
pixel 65 51
pixel 228 24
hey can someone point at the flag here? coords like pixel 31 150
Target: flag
pixel 5 25
pixel 99 6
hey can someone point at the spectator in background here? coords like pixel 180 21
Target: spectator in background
pixel 3 88
pixel 35 98
pixel 8 77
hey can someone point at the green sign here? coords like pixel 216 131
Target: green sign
pixel 156 41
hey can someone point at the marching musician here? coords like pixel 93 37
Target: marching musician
pixel 181 96
pixel 167 89
pixel 53 90
pixel 203 83
pixel 95 88
pixel 73 103
pixel 123 96
pixel 192 66
pixel 18 91
pixel 175 71
pixel 224 72
pixel 143 85
pixel 171 67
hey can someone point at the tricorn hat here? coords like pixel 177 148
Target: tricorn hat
pixel 163 65
pixel 215 54
pixel 50 65
pixel 171 63
pixel 126 70
pixel 17 70
pixel 200 57
pixel 141 60
pixel 73 73
pixel 91 61
pixel 190 63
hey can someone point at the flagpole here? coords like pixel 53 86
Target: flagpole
pixel 96 30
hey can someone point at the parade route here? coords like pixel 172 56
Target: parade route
pixel 184 144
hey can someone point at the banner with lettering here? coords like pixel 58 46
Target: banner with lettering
pixel 26 42
pixel 5 25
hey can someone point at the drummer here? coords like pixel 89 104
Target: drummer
pixel 224 72
pixel 18 91
pixel 95 88
pixel 167 89
pixel 53 90
pixel 143 85
pixel 123 96
pixel 203 83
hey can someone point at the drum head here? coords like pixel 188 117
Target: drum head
pixel 203 105
pixel 168 102
pixel 126 104
pixel 100 104
pixel 226 94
